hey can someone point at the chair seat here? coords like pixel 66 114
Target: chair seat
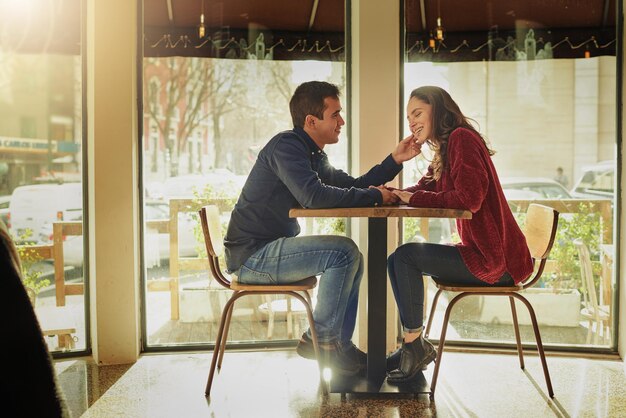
pixel 304 284
pixel 540 230
pixel 478 289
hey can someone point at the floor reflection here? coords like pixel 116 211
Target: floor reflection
pixel 281 384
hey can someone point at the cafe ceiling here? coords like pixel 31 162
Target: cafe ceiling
pixel 281 15
pixel 313 28
pixel 328 15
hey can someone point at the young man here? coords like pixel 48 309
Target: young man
pixel 292 170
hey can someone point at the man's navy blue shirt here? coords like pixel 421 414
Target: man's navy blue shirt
pixel 292 171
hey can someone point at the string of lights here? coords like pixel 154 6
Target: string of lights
pixel 185 41
pixel 424 47
pixel 420 46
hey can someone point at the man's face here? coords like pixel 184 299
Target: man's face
pixel 326 131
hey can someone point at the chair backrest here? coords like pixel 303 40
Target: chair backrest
pixel 590 297
pixel 540 230
pixel 212 230
pixel 213 240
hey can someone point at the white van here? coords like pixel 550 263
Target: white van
pixel 34 208
pixel 596 182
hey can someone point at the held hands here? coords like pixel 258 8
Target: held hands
pixel 389 198
pixel 406 149
pixel 402 195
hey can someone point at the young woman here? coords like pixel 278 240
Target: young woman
pixel 461 175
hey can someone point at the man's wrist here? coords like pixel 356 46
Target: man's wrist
pixel 396 159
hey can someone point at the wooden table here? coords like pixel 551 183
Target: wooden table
pixel 374 381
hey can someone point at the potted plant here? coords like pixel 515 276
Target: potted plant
pixel 31 275
pixel 584 225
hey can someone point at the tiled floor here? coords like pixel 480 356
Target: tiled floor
pixel 281 384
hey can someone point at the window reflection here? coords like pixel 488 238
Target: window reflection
pixel 41 198
pixel 534 77
pixel 207 113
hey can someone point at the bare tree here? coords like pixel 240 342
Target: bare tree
pixel 280 77
pixel 264 112
pixel 228 92
pixel 189 92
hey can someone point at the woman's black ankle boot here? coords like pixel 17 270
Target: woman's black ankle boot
pixel 414 356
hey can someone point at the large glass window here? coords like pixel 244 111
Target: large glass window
pixel 539 79
pixel 217 79
pixel 41 136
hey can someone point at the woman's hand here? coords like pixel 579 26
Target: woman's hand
pixel 406 149
pixel 403 196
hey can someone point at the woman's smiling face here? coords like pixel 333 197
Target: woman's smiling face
pixel 419 116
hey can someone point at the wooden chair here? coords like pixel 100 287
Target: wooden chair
pixel 592 311
pixel 55 320
pixel 540 230
pixel 211 228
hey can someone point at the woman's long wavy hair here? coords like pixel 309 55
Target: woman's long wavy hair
pixel 447 116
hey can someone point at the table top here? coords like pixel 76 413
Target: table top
pixel 381 212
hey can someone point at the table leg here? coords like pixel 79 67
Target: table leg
pixel 376 298
pixel 374 381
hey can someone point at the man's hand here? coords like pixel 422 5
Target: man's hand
pixel 388 197
pixel 406 149
pixel 403 196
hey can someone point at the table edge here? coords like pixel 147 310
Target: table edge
pixel 381 212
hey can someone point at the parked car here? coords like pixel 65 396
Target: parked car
pixel 596 182
pixel 515 188
pixel 222 180
pixel 530 188
pixel 33 208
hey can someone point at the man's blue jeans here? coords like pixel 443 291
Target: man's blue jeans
pixel 340 264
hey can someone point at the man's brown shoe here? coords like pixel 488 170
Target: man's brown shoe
pixel 332 355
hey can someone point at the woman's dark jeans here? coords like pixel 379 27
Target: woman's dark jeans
pixel 442 262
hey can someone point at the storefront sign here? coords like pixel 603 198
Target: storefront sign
pixel 37 146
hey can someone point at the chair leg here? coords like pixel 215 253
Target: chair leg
pixel 270 318
pixel 229 317
pixel 309 314
pixel 289 319
pixel 520 350
pixel 606 333
pixel 542 354
pixel 218 343
pixel 442 338
pixel 432 313
pixel 307 296
pixel 596 336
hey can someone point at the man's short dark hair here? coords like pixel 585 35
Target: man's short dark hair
pixel 308 99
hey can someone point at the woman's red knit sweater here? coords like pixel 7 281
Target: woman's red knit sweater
pixel 491 242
